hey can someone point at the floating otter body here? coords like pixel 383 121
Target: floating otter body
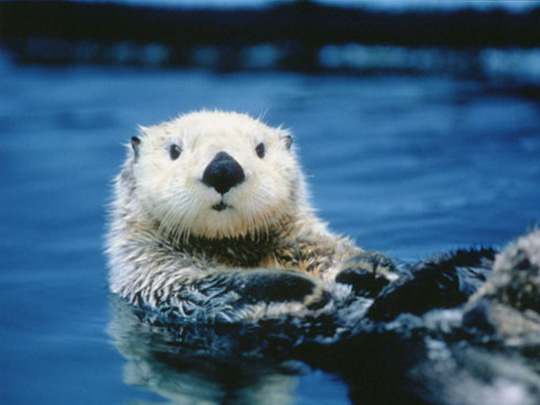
pixel 422 339
pixel 214 246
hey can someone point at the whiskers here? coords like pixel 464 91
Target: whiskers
pixel 263 219
pixel 184 217
pixel 174 224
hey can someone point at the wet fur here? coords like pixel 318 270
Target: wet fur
pixel 166 244
pixel 472 341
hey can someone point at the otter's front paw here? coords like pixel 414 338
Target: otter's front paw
pixel 368 272
pixel 445 281
pixel 279 286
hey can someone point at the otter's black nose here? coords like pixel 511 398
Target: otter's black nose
pixel 223 172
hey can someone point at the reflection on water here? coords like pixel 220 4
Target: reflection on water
pixel 499 67
pixel 206 364
pixel 161 363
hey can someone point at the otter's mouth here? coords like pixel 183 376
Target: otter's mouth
pixel 221 206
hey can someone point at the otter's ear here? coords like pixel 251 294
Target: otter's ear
pixel 288 139
pixel 135 144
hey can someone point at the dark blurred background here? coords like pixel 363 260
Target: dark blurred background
pixel 455 37
pixel 417 122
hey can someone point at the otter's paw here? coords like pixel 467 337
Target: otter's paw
pixel 278 286
pixel 445 281
pixel 368 272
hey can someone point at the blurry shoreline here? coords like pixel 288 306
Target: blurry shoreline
pixel 496 46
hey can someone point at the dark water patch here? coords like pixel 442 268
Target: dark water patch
pixel 305 23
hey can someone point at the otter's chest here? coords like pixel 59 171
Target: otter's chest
pixel 248 254
pixel 233 253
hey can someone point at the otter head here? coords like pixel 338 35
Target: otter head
pixel 216 175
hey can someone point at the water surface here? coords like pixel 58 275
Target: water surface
pixel 410 165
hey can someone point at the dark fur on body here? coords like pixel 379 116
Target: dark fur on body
pixel 385 348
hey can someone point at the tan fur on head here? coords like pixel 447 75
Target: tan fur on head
pixel 172 193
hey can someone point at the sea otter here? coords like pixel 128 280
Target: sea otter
pixel 215 250
pixel 211 220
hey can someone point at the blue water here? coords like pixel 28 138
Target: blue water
pixel 406 165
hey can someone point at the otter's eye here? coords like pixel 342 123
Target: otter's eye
pixel 260 150
pixel 175 151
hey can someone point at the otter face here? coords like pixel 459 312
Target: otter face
pixel 216 174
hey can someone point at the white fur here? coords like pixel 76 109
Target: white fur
pixel 173 193
pixel 166 237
